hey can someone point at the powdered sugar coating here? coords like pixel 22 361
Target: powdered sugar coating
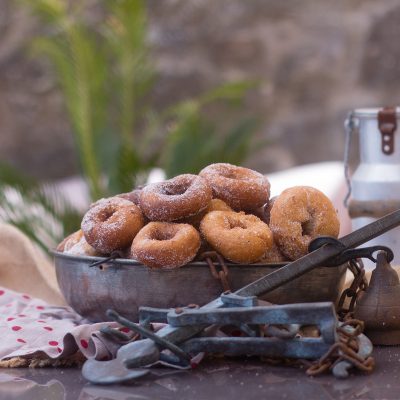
pixel 166 245
pixel 241 188
pixel 82 248
pixel 132 196
pixel 111 224
pixel 238 237
pixel 214 205
pixel 70 241
pixel 273 255
pixel 299 215
pixel 176 198
pixel 264 212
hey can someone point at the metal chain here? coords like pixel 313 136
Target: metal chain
pixel 344 350
pixel 355 290
pixel 213 260
pixel 347 347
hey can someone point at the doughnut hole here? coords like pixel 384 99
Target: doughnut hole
pixel 308 227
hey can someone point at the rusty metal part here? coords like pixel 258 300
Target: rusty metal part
pixel 288 331
pixel 147 314
pixel 347 254
pixel 321 314
pixel 358 286
pixel 233 300
pixel 211 257
pixel 111 372
pixel 387 123
pixel 379 307
pixel 146 333
pixel 372 208
pixel 116 334
pixel 113 256
pixel 352 350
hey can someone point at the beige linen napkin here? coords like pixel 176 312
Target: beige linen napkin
pixel 25 268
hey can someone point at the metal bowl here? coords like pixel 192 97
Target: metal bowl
pixel 125 285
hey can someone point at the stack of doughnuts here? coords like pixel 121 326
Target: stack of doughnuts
pixel 225 208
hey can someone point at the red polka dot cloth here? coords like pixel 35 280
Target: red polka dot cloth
pixel 32 328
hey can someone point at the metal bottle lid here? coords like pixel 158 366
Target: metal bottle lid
pixel 371 112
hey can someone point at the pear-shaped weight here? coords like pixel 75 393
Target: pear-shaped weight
pixel 379 307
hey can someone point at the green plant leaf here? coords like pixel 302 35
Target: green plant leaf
pixel 230 91
pixel 40 211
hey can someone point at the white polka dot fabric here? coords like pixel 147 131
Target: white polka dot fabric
pixel 32 328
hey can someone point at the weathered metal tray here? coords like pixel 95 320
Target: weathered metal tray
pixel 125 285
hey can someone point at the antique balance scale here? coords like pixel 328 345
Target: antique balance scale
pixel 275 330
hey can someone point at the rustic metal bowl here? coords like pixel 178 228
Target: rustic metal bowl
pixel 125 285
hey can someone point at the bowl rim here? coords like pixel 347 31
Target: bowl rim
pixel 127 261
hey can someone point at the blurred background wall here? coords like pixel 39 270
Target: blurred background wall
pixel 315 61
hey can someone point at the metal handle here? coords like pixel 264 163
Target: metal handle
pixel 351 125
pixel 373 209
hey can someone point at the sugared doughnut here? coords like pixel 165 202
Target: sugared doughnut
pixel 215 205
pixel 240 188
pixel 70 241
pixel 82 248
pixel 238 237
pixel 218 205
pixel 273 255
pixel 111 224
pixel 299 215
pixel 176 198
pixel 165 245
pixel 264 212
pixel 132 196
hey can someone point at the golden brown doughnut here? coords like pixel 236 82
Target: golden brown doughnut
pixel 177 198
pixel 70 241
pixel 238 237
pixel 240 188
pixel 111 224
pixel 218 205
pixel 165 245
pixel 264 212
pixel 215 205
pixel 132 196
pixel 82 248
pixel 299 215
pixel 273 256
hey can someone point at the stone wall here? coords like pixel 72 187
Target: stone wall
pixel 315 60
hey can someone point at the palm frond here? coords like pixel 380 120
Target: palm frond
pixel 40 211
pixel 195 140
pixel 81 69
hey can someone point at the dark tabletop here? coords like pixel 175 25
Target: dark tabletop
pixel 244 379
